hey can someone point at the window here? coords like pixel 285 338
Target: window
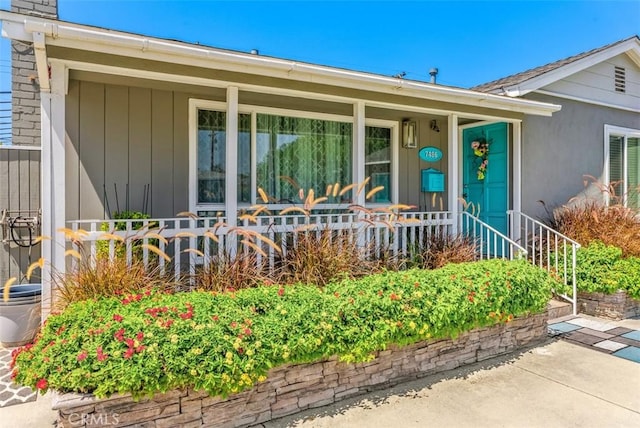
pixel 623 169
pixel 211 161
pixel 377 163
pixel 282 151
pixel 294 153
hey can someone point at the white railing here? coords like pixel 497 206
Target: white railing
pixel 490 243
pixel 181 235
pixel 193 241
pixel 548 249
pixel 190 242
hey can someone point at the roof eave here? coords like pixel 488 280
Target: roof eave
pixel 21 27
pixel 630 47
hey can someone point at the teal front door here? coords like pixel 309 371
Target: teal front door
pixel 485 173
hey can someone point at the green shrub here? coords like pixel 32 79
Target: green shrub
pixel 225 343
pixel 600 268
pixel 120 248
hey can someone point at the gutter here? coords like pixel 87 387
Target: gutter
pixel 59 33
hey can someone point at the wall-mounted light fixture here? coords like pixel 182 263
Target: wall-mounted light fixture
pixel 409 134
pixel 434 125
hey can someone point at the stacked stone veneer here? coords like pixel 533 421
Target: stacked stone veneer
pixel 25 88
pixel 292 388
pixel 615 306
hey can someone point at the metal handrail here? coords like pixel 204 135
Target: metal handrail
pixel 548 249
pixel 487 235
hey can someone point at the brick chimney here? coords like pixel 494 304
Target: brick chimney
pixel 25 89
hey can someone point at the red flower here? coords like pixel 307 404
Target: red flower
pixel 129 353
pixel 129 342
pixel 140 349
pixel 417 284
pixel 394 296
pixel 101 356
pixel 234 324
pixel 240 351
pixel 280 291
pixel 119 335
pixel 336 294
pixel 168 323
pixel 247 331
pixel 117 317
pixel 82 356
pixel 140 336
pixel 215 318
pixel 42 384
pixel 380 293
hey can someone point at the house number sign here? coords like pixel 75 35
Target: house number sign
pixel 430 154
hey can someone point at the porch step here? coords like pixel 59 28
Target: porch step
pixel 559 309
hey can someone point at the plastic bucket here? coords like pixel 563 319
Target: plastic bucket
pixel 20 315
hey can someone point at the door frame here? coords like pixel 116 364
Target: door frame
pixel 511 159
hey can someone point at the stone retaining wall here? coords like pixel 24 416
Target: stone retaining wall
pixel 615 306
pixel 292 388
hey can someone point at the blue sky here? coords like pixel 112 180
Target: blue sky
pixel 470 42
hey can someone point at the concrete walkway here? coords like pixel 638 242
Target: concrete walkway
pixel 558 384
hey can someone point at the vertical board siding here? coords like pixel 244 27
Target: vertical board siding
pixel 180 153
pixel 19 191
pixel 116 147
pixel 72 151
pixel 161 153
pixel 139 145
pixel 125 138
pixel 91 150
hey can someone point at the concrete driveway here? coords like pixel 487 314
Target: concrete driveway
pixel 557 384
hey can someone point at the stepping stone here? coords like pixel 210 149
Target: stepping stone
pixel 595 333
pixel 562 327
pixel 592 324
pixel 618 331
pixel 610 345
pixel 585 339
pixel 633 334
pixel 629 353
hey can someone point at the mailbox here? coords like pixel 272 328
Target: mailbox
pixel 432 180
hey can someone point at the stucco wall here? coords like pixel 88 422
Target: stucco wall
pixel 558 151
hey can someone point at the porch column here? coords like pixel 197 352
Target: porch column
pixel 52 108
pixel 231 162
pixel 453 169
pixel 358 150
pixel 517 179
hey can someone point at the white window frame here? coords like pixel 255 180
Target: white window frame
pixel 221 106
pixel 625 133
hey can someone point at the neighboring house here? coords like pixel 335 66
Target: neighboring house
pixel 174 127
pixel 596 133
